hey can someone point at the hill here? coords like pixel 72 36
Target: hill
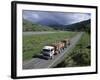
pixel 29 26
pixel 81 26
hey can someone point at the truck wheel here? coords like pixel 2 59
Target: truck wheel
pixel 51 57
pixel 59 51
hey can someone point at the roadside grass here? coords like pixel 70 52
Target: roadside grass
pixel 33 44
pixel 80 55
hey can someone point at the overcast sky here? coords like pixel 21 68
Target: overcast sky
pixel 63 18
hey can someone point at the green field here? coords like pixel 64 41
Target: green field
pixel 32 44
pixel 80 55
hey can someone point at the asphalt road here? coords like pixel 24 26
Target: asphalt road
pixel 40 62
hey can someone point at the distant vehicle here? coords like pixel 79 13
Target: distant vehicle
pixel 55 48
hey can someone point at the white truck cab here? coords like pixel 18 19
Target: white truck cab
pixel 48 52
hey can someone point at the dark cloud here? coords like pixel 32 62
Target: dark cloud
pixel 55 17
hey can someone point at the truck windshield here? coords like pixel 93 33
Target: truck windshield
pixel 46 50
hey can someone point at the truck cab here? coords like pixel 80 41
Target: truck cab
pixel 48 52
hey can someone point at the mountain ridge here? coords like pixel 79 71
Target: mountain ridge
pixel 30 26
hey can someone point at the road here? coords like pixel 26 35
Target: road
pixel 40 62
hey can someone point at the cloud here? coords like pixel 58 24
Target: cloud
pixel 64 18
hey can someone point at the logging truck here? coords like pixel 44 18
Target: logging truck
pixel 66 42
pixel 55 48
pixel 58 47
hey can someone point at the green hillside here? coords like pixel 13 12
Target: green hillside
pixel 81 26
pixel 29 26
